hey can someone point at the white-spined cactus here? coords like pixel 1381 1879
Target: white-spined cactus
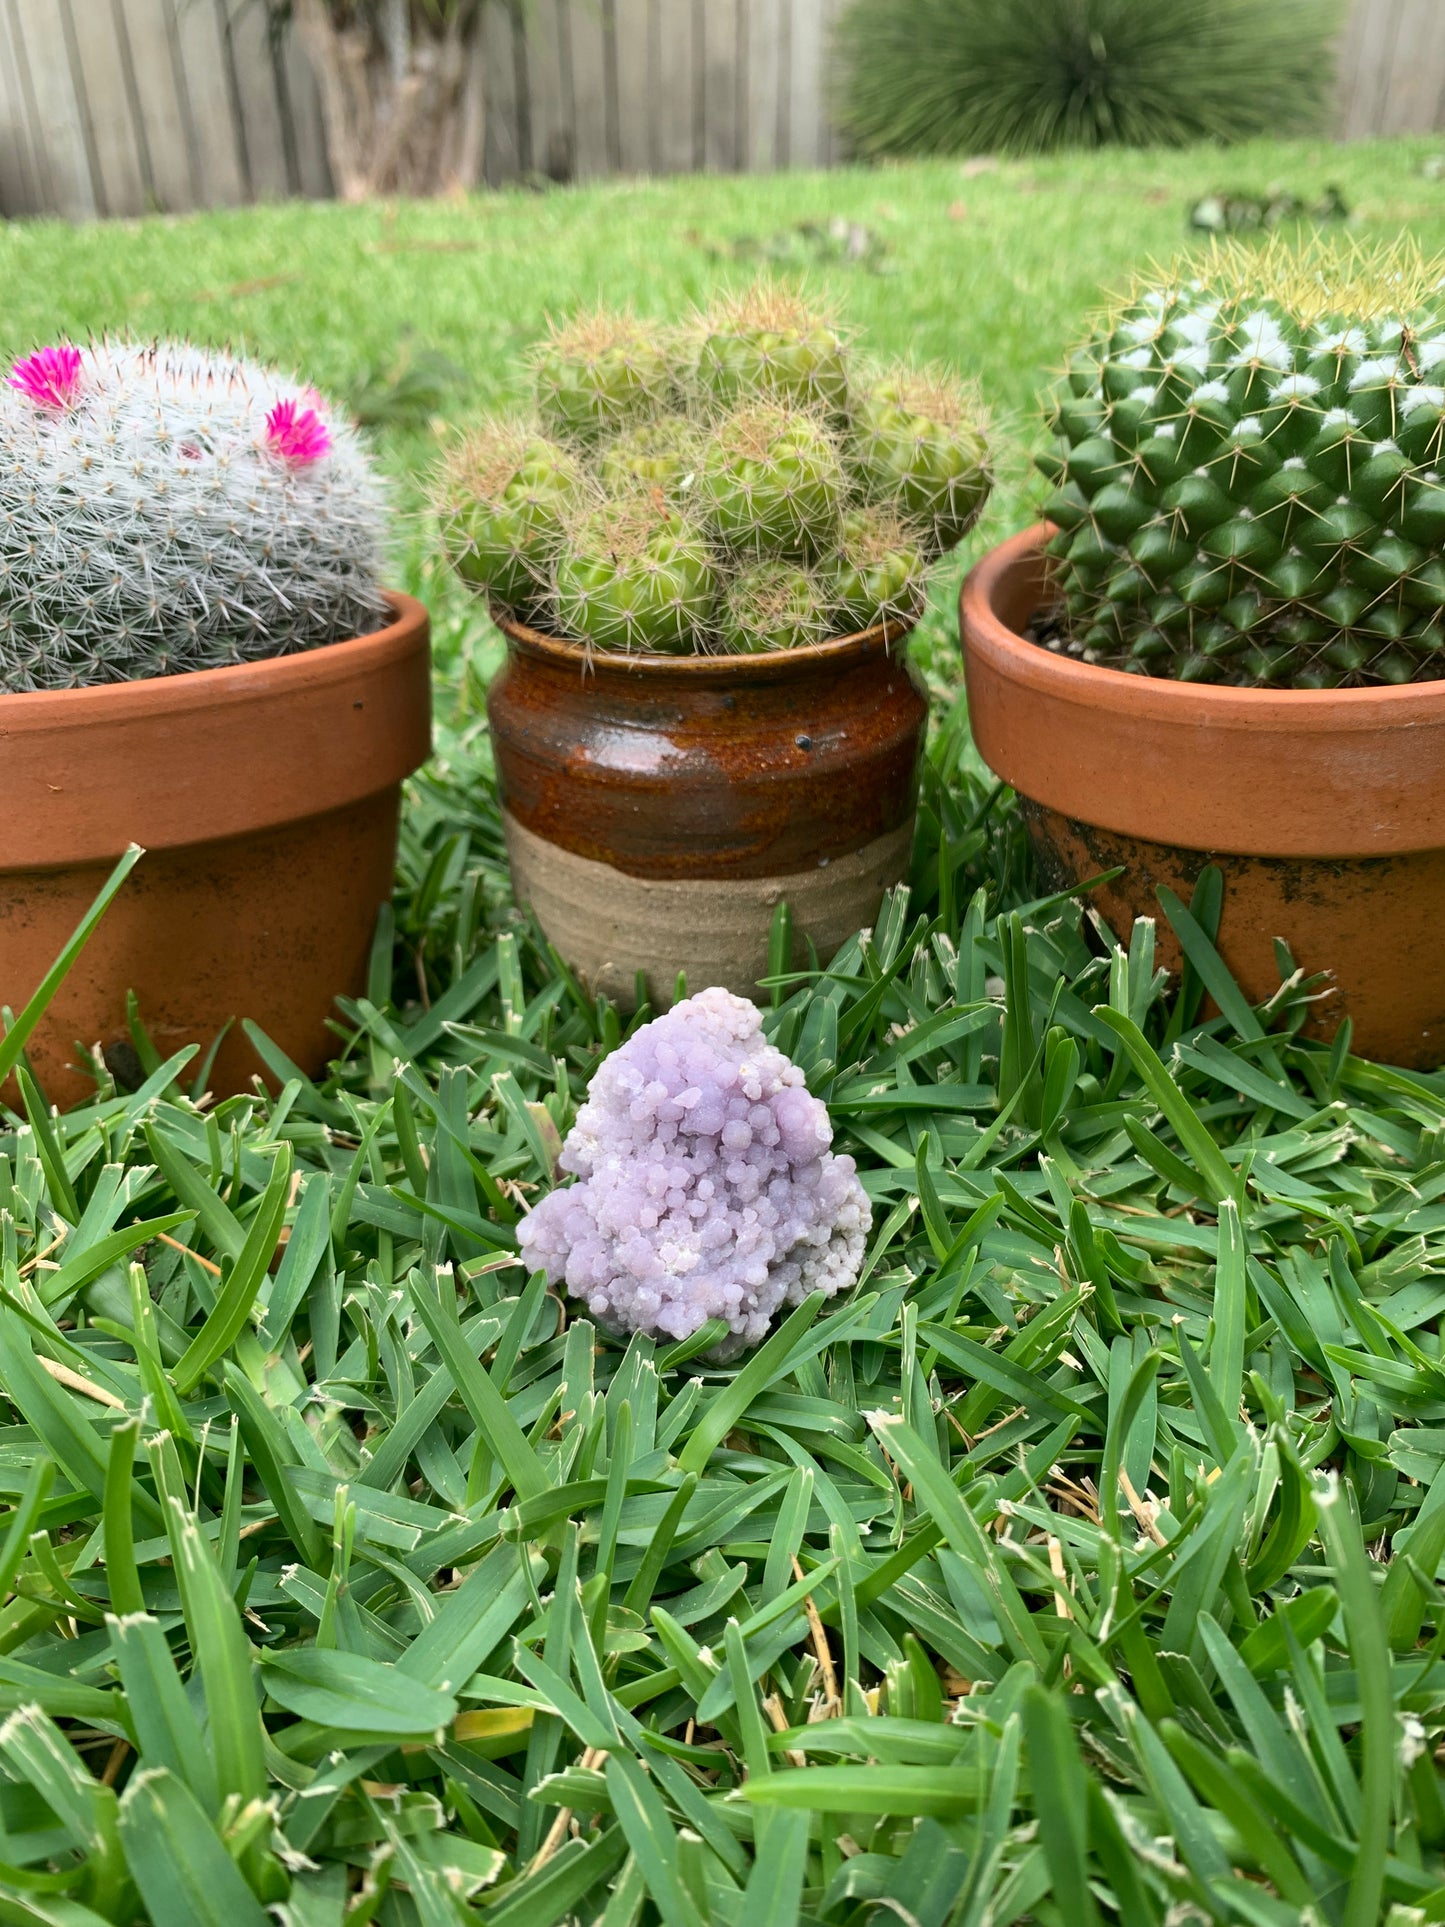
pixel 164 508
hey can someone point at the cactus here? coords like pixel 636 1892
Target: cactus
pixel 772 482
pixel 704 489
pixel 634 574
pixel 502 501
pixel 658 454
pixel 600 373
pixel 774 605
pixel 1248 482
pixel 165 509
pixel 770 343
pixel 878 574
pixel 921 445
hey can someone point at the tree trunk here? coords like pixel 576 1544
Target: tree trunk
pixel 402 100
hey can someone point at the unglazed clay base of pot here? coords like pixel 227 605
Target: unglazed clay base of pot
pixel 715 931
pixel 266 800
pixel 1379 916
pixel 1325 809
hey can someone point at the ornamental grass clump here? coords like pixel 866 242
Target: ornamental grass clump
pixel 1034 76
pixel 706 1185
pixel 1248 473
pixel 164 508
pixel 737 486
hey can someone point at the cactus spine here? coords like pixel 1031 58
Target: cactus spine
pixel 774 605
pixel 770 343
pixel 599 373
pixel 657 454
pixel 879 574
pixel 772 482
pixel 921 445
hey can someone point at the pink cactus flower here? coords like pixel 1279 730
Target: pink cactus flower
pixel 50 376
pixel 297 434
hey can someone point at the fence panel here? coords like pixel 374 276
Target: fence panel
pixel 56 125
pixel 1392 68
pixel 22 185
pixel 116 106
pixel 171 141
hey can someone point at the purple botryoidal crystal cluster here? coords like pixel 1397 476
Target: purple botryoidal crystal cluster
pixel 706 1186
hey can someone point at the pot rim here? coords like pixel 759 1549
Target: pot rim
pixel 175 761
pixel 1301 772
pixel 198 689
pixel 773 665
pixel 1111 689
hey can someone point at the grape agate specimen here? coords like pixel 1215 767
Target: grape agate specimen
pixel 706 1186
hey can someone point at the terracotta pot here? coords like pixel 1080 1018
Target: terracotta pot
pixel 1325 809
pixel 658 808
pixel 266 799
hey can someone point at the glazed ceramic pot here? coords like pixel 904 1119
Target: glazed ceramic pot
pixel 266 798
pixel 659 808
pixel 1325 809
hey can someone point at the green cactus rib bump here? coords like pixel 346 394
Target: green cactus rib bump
pixel 635 575
pixel 170 509
pixel 772 482
pixel 775 605
pixel 921 443
pixel 1248 473
pixel 601 372
pixel 502 500
pixel 660 454
pixel 769 342
pixel 879 573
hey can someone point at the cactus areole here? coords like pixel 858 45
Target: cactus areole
pixel 1322 811
pixel 196 655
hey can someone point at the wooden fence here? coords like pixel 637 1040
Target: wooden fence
pixel 114 107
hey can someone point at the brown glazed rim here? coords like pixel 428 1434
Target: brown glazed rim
pixel 1296 772
pixel 774 665
pixel 176 760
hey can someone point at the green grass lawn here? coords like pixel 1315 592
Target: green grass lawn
pixel 1082 1567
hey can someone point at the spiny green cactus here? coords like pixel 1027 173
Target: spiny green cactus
pixel 635 574
pixel 601 372
pixel 878 574
pixel 921 443
pixel 503 496
pixel 774 605
pixel 772 482
pixel 1248 482
pixel 769 342
pixel 669 466
pixel 165 508
pixel 658 454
